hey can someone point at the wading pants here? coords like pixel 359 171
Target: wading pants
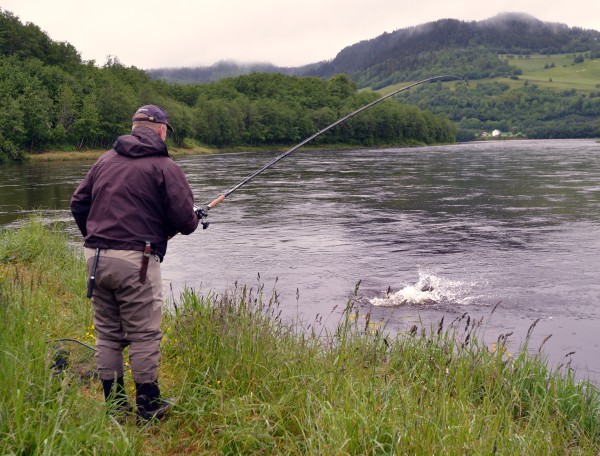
pixel 127 312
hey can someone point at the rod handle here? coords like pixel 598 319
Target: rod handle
pixel 216 201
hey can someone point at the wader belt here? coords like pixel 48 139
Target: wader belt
pixel 145 261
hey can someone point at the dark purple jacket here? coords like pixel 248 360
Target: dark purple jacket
pixel 134 193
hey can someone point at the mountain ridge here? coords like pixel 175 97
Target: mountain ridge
pixel 374 61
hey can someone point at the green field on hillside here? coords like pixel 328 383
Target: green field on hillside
pixel 557 71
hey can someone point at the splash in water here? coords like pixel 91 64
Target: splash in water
pixel 429 289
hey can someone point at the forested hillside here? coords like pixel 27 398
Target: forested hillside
pixel 501 96
pixel 525 112
pixel 451 44
pixel 49 98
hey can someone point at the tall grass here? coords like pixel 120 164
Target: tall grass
pixel 250 382
pixel 41 298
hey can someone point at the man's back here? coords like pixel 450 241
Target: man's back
pixel 138 193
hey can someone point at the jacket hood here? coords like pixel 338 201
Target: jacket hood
pixel 142 142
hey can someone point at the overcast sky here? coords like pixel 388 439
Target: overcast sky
pixel 173 33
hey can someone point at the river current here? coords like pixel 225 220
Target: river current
pixel 506 231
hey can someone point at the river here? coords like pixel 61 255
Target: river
pixel 511 227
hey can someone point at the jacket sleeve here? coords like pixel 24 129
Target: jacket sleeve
pixel 81 203
pixel 178 201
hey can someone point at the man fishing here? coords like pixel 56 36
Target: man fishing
pixel 132 200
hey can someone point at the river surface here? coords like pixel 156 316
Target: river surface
pixel 507 232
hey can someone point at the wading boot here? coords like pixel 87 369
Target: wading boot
pixel 116 397
pixel 150 406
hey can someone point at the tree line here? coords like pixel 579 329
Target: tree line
pixel 51 99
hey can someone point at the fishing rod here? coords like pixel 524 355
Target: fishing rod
pixel 202 213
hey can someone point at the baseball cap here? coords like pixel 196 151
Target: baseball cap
pixel 152 113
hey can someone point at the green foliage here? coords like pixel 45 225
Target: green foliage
pixel 274 109
pixel 527 110
pixel 470 63
pixel 41 298
pixel 51 99
pixel 29 41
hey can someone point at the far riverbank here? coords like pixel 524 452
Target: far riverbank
pixel 175 152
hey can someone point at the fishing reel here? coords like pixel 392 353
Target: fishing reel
pixel 202 213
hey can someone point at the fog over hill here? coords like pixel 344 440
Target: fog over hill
pixel 374 61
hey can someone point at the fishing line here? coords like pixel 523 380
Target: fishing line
pixel 68 354
pixel 203 212
pixel 68 339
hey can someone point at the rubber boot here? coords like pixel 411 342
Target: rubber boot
pixel 116 396
pixel 150 406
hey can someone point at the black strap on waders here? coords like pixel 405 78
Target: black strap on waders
pixel 145 260
pixel 93 274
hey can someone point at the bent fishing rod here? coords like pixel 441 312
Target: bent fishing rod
pixel 202 213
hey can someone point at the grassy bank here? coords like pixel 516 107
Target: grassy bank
pixel 249 382
pixel 57 155
pixel 182 152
